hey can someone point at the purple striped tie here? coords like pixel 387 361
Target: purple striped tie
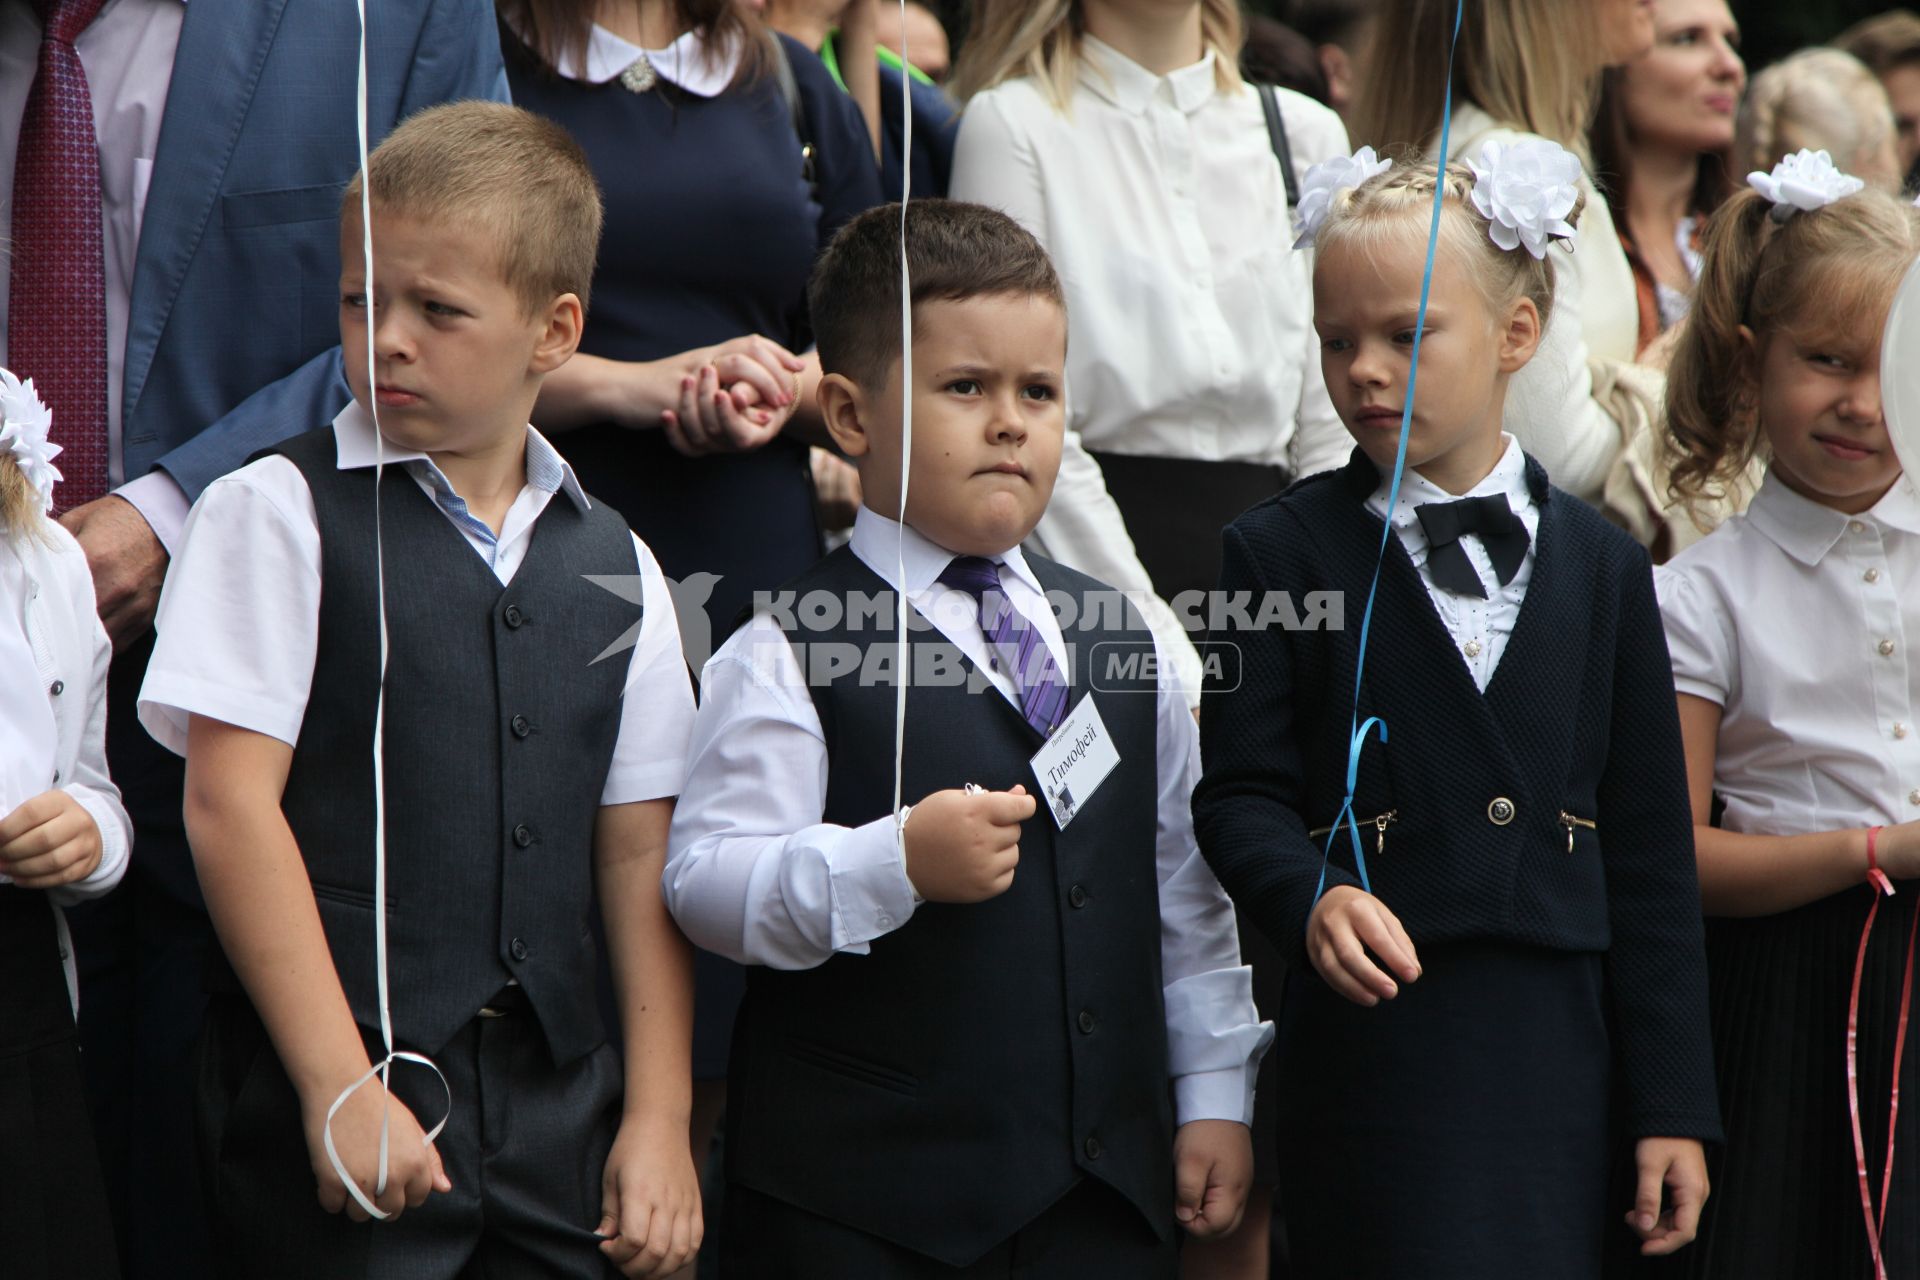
pixel 1043 693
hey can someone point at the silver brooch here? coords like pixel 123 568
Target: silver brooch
pixel 639 76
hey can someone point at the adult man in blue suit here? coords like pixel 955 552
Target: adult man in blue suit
pixel 225 132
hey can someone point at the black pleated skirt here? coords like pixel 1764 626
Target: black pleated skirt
pixel 1459 1130
pixel 1786 1192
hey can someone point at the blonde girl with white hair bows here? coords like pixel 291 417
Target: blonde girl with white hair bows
pixel 1588 406
pixel 1799 701
pixel 1496 993
pixel 63 838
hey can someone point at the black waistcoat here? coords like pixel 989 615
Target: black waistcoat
pixel 946 1088
pixel 500 729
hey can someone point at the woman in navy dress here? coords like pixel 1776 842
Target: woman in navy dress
pixel 723 177
pixel 726 162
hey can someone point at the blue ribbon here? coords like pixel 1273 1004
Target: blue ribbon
pixel 1358 731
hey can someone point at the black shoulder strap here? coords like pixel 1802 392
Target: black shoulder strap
pixel 790 90
pixel 1282 149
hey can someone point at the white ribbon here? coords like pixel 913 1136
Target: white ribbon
pixel 906 440
pixel 383 1068
pixel 1525 190
pixel 1802 181
pixel 1325 181
pixel 25 423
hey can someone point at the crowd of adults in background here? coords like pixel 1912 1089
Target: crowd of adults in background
pixel 731 140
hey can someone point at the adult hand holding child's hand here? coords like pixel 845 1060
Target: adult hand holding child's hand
pixel 49 841
pixel 650 1199
pixel 1345 925
pixel 964 847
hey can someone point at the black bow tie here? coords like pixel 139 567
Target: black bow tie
pixel 1490 518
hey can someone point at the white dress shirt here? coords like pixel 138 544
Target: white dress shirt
pixel 239 617
pixel 1480 628
pixel 1796 619
pixel 1166 215
pixel 53 702
pixel 754 874
pixel 127 53
pixel 1596 318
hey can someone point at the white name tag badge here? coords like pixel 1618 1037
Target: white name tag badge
pixel 1075 761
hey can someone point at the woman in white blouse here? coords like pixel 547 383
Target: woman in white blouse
pixel 1121 135
pixel 1525 68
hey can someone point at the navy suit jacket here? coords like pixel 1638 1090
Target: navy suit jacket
pixel 233 341
pixel 1579 718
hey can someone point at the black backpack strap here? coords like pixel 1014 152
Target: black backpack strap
pixel 790 90
pixel 1282 149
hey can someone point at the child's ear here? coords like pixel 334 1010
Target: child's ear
pixel 842 407
pixel 1521 337
pixel 559 335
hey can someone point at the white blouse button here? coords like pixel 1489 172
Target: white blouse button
pixel 1473 648
pixel 1855 526
pixel 1871 575
pixel 1899 730
pixel 1913 797
pixel 1886 648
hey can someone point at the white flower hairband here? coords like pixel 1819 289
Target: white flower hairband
pixel 1326 180
pixel 24 424
pixel 1524 190
pixel 1804 180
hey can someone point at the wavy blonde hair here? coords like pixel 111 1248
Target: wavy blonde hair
pixel 1041 39
pixel 1393 208
pixel 1819 100
pixel 1823 275
pixel 1527 63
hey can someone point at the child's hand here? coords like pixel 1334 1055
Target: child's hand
pixel 650 1200
pixel 413 1165
pixel 1345 925
pixel 716 417
pixel 1212 1169
pixel 49 841
pixel 1679 1165
pixel 964 848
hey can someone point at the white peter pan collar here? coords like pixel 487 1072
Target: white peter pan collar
pixel 689 62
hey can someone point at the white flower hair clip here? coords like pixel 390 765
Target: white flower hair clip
pixel 1804 180
pixel 1525 190
pixel 24 424
pixel 1325 181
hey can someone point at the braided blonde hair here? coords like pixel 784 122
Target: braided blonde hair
pixel 1387 207
pixel 1819 100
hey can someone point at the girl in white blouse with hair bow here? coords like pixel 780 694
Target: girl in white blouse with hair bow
pixel 1122 136
pixel 64 837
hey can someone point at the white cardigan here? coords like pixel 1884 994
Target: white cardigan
pixel 71 654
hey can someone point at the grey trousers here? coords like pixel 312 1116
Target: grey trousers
pixel 524 1148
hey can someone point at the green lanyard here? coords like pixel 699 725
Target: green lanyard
pixel 888 58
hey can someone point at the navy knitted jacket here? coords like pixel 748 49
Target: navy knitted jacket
pixel 1483 794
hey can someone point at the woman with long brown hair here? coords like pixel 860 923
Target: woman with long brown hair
pixel 1661 141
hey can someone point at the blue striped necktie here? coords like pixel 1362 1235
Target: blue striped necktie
pixel 1037 680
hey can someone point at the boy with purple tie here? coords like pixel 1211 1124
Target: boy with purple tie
pixel 979 1034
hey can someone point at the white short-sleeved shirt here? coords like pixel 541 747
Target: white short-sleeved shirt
pixel 239 617
pixel 1796 619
